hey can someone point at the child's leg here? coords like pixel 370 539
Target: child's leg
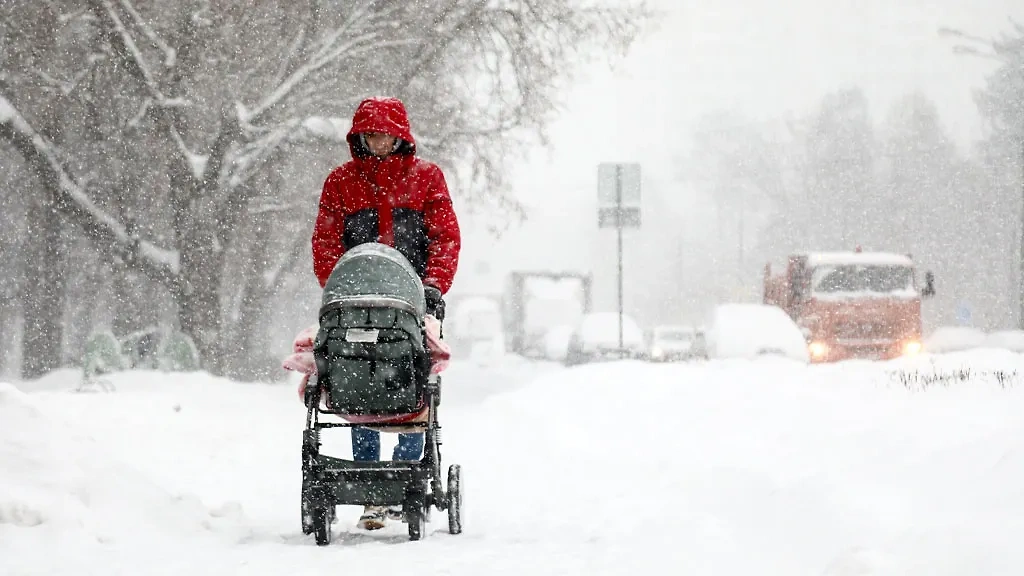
pixel 409 447
pixel 365 444
pixel 366 448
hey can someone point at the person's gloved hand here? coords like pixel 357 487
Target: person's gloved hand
pixel 435 303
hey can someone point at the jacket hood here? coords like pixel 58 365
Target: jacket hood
pixel 385 116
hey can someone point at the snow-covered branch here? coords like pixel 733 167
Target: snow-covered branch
pixel 280 93
pixel 247 161
pixel 134 60
pixel 363 30
pixel 170 54
pixel 294 50
pixel 274 279
pixel 272 209
pixel 72 201
pixel 132 55
pixel 429 52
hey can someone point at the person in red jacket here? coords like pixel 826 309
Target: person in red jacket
pixel 386 194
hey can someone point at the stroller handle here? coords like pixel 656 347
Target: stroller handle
pixel 369 302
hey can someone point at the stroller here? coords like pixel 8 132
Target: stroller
pixel 374 367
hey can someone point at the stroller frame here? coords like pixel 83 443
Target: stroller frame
pixel 328 482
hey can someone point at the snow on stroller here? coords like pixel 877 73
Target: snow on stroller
pixel 377 362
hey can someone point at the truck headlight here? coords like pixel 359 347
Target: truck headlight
pixel 818 349
pixel 912 347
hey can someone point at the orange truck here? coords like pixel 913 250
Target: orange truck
pixel 852 304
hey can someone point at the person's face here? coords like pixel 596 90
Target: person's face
pixel 380 144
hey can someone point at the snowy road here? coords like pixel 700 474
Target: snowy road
pixel 719 468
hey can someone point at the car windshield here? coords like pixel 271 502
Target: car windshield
pixel 861 278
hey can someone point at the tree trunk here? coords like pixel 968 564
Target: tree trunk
pixel 8 325
pixel 134 306
pixel 10 282
pixel 251 354
pixel 84 287
pixel 43 300
pixel 198 299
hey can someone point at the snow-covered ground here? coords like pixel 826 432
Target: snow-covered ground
pixel 732 467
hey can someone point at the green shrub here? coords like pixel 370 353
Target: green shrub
pixel 178 353
pixel 102 356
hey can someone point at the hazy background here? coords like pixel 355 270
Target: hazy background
pixel 762 128
pixel 767 62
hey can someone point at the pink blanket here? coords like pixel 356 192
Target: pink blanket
pixel 301 360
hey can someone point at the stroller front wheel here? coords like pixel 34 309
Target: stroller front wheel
pixel 415 509
pixel 323 518
pixel 454 499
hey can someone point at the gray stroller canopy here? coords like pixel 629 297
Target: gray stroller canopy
pixel 378 271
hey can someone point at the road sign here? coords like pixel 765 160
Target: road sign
pixel 964 313
pixel 618 207
pixel 618 195
pixel 612 217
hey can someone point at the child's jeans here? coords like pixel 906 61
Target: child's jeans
pixel 366 445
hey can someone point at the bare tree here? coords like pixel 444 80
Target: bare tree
pixel 1001 156
pixel 33 51
pixel 741 167
pixel 214 97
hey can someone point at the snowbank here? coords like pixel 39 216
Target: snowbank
pixel 758 467
pixel 601 329
pixel 64 500
pixel 557 339
pixel 1012 340
pixel 954 339
pixel 739 467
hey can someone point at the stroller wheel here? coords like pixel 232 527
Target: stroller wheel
pixel 322 520
pixel 454 497
pixel 307 517
pixel 415 508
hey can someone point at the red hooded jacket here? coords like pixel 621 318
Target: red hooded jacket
pixel 399 200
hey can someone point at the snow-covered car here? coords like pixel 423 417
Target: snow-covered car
pixel 596 337
pixel 954 339
pixel 700 343
pixel 1012 340
pixel 672 343
pixel 743 330
pixel 474 329
pixel 556 342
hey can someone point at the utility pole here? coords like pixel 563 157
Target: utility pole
pixel 739 240
pixel 618 231
pixel 618 191
pixel 1020 256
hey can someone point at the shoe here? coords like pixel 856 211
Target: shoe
pixel 373 518
pixel 395 513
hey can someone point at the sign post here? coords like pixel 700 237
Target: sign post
pixel 964 313
pixel 618 193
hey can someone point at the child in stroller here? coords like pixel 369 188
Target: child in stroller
pixel 366 439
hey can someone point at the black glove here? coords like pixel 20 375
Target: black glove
pixel 435 303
